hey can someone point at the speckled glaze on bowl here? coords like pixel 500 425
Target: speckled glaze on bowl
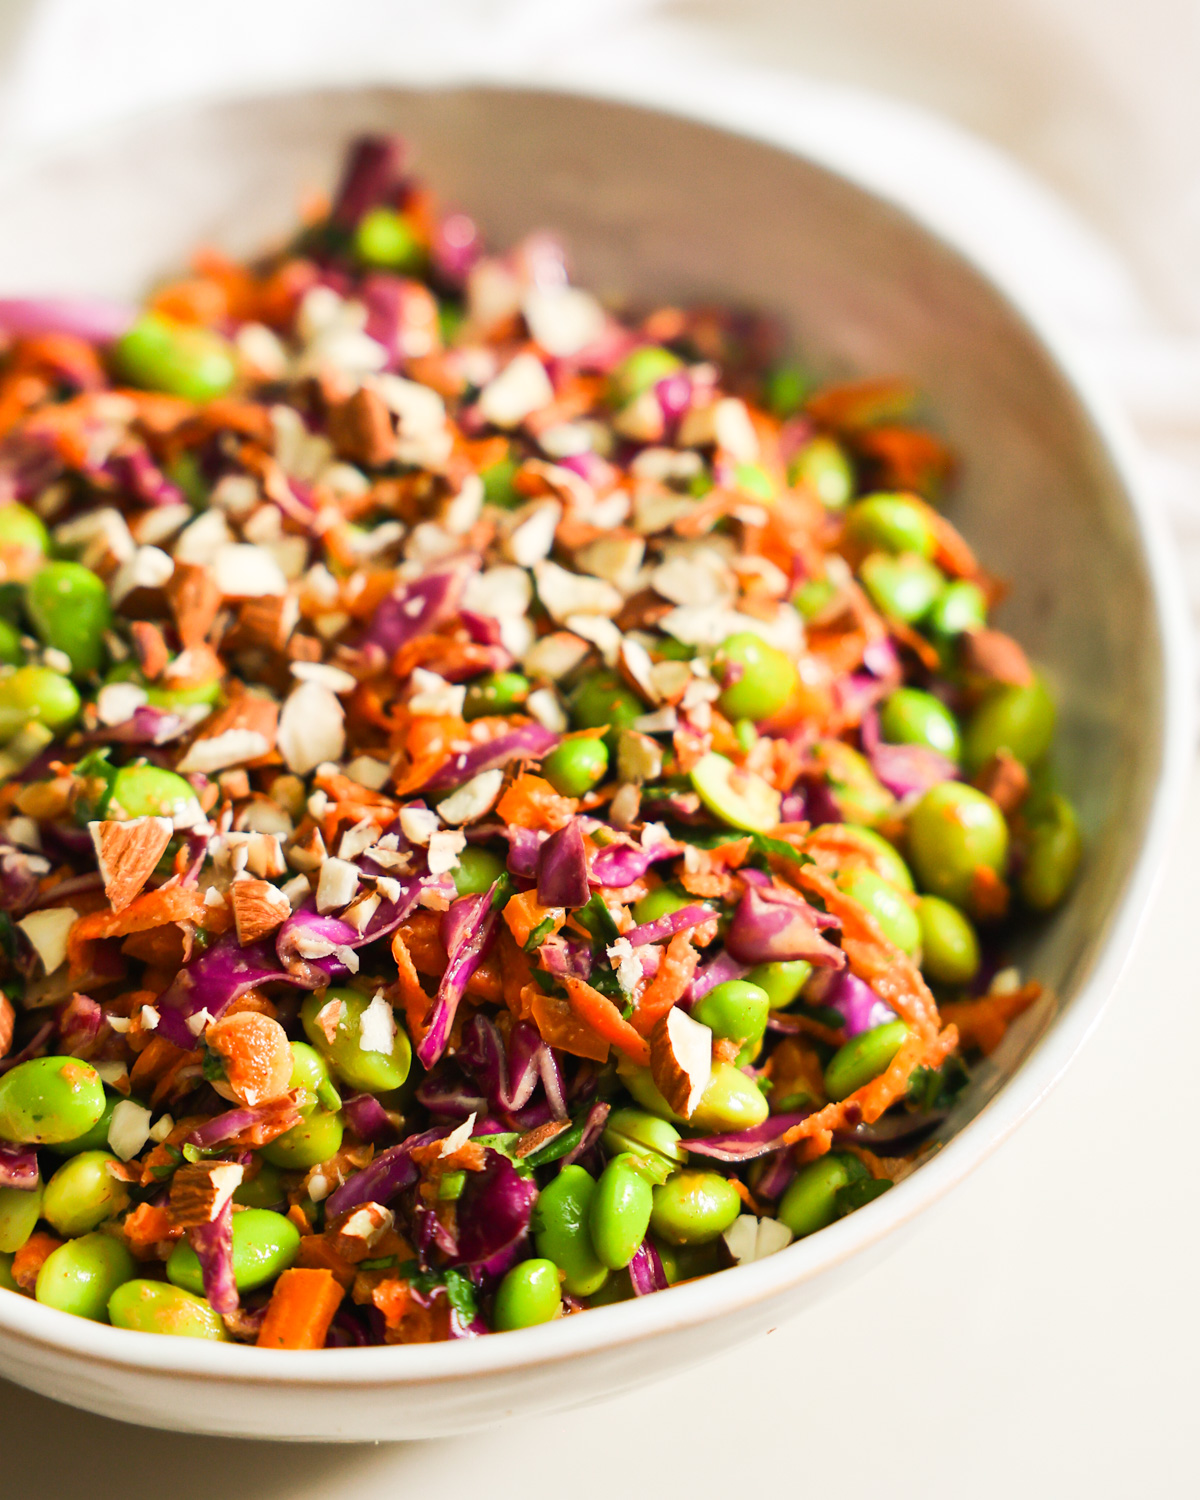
pixel 659 207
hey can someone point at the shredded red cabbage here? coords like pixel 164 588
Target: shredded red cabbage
pixel 772 925
pixel 562 868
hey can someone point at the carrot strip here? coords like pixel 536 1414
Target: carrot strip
pixel 599 1012
pixel 416 1002
pixel 532 802
pixel 668 985
pixel 982 1023
pixel 151 909
pixel 524 913
pixel 301 1309
pixel 559 1026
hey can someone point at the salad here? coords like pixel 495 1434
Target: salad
pixel 507 805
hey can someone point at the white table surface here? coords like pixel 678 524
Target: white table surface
pixel 1036 1336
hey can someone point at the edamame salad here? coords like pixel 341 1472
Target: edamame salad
pixel 509 804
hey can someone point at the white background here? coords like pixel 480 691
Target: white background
pixel 1036 1335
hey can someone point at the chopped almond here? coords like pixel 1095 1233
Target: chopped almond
pixel 996 656
pixel 194 598
pixel 1005 780
pixel 200 1190
pixel 267 622
pixel 681 1060
pixel 127 854
pixel 361 429
pixel 356 1233
pixel 258 908
pixel 242 731
pixel 150 647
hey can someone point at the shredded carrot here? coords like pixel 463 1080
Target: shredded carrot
pixel 599 1012
pixel 532 802
pixel 301 1309
pixel 317 1254
pixel 30 1258
pixel 524 913
pixel 982 1023
pixel 151 909
pixel 559 1025
pixel 668 985
pixel 147 1226
pixel 414 999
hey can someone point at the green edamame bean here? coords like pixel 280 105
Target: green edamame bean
pixel 576 766
pixel 264 1244
pixel 785 389
pixel 83 1193
pixel 824 467
pixel 890 523
pixel 162 354
pixel 386 238
pixel 639 370
pixel 737 1010
pixel 148 792
pixel 12 653
pixel 730 1102
pixel 49 1099
pixel 858 792
pixel 962 605
pixel 1052 855
pixel 884 856
pixel 949 947
pixel 1017 719
pixel 886 904
pixel 603 699
pixel 371 1072
pixel 561 1232
pixel 694 1207
pixel 810 1202
pixel 7 1282
pixel 952 832
pixel 619 1213
pixel 498 488
pixel 863 1057
pixel 760 679
pixel 317 1137
pixel 477 871
pixel 686 1262
pixel 70 610
pixel 95 1139
pixel 157 1307
pixel 497 693
pixel 80 1276
pixel 265 1189
pixel 902 588
pixel 23 528
pixel 653 1143
pixel 311 1073
pixel 781 981
pixel 20 1209
pixel 36 695
pixel 912 717
pixel 813 596
pixel 659 903
pixel 528 1295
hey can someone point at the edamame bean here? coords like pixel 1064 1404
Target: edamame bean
pixel 265 1189
pixel 858 792
pixel 730 1102
pixel 759 678
pixel 36 695
pixel 949 947
pixel 1052 855
pixel 912 717
pixel 639 370
pixel 810 1202
pixel 890 523
pixel 49 1099
pixel 962 605
pixel 528 1295
pixel 83 1193
pixel 659 903
pixel 785 389
pixel 619 1213
pixel 653 1143
pixel 264 1244
pixel 20 1209
pixel 23 529
pixel 7 1282
pixel 162 354
pixel 561 1232
pixel 739 797
pixel 953 831
pixel 1017 719
pixel 813 596
pixel 371 1072
pixel 902 588
pixel 12 653
pixel 781 981
pixel 824 468
pixel 148 792
pixel 694 1207
pixel 317 1137
pixel 886 904
pixel 387 238
pixel 737 1010
pixel 862 1058
pixel 311 1073
pixel 80 1276
pixel 884 857
pixel 95 1139
pixel 576 766
pixel 497 693
pixel 70 610
pixel 477 871
pixel 498 488
pixel 603 699
pixel 157 1307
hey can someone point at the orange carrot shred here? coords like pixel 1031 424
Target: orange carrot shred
pixel 603 1017
pixel 668 985
pixel 301 1309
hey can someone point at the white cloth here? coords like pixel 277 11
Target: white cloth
pixel 1058 138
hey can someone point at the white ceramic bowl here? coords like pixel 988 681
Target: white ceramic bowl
pixel 664 208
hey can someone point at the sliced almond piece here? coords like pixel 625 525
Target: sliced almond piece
pixel 242 731
pixel 194 598
pixel 361 429
pixel 200 1190
pixel 258 908
pixel 681 1060
pixel 47 933
pixel 127 854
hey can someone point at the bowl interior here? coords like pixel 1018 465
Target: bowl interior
pixel 656 208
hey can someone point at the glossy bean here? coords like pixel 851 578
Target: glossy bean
pixel 561 1230
pixel 912 717
pixel 860 795
pixel 619 1213
pixel 12 653
pixel 20 1209
pixel 953 831
pixel 603 699
pixel 49 1099
pixel 70 610
pixel 528 1295
pixel 759 678
pixel 890 523
pixel 962 605
pixel 902 588
pixel 737 1010
pixel 23 529
pixel 497 693
pixel 310 1072
pixel 147 791
pixel 264 1190
pixel 652 1143
pixel 80 1276
pixel 1017 719
pixel 182 359
pixel 36 695
pixel 368 1071
pixel 694 1207
pixel 1052 854
pixel 781 981
pixel 949 947
pixel 314 1140
pixel 730 1102
pixel 738 797
pixel 387 239
pixel 863 1058
pixel 810 1202
pixel 264 1244
pixel 83 1193
pixel 576 766
pixel 95 1139
pixel 886 904
pixel 157 1307
pixel 7 1282
pixel 823 467
pixel 639 370
pixel 477 871
pixel 661 902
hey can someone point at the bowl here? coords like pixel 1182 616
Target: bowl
pixel 663 208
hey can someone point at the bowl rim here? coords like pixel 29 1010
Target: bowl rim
pixel 24 1321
